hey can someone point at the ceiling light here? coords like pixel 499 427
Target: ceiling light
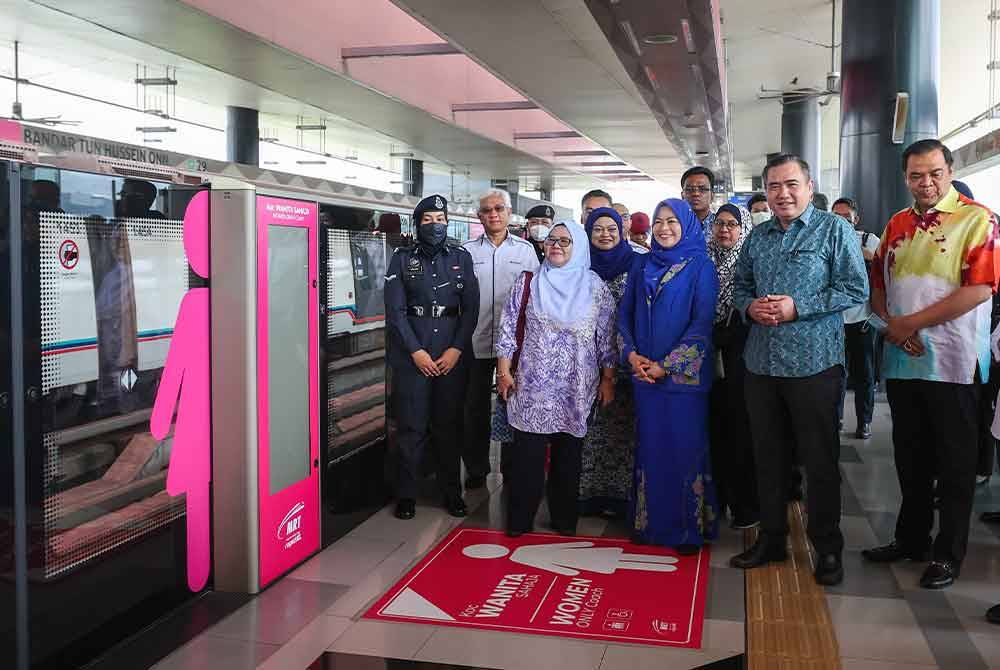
pixel 401 154
pixel 311 162
pixel 688 37
pixel 701 153
pixel 659 38
pixel 651 75
pixel 630 34
pixel 155 129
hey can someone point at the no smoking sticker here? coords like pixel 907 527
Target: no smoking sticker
pixel 69 254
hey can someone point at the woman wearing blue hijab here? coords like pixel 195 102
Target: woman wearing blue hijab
pixel 606 477
pixel 665 321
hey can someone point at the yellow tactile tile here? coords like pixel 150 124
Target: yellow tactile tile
pixel 788 622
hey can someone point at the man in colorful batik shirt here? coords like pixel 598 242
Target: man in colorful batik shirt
pixel 932 279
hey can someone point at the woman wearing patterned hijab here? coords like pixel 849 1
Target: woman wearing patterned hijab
pixel 665 321
pixel 565 365
pixel 606 478
pixel 732 447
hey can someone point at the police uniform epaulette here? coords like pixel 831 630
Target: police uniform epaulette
pixel 458 247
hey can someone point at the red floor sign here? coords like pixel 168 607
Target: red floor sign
pixel 585 587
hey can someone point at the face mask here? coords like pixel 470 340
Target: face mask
pixel 760 217
pixel 432 234
pixel 538 232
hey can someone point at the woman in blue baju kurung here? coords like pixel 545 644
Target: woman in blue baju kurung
pixel 665 321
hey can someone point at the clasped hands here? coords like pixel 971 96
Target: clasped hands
pixel 435 368
pixel 773 309
pixel 901 332
pixel 645 369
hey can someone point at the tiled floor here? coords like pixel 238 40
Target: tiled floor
pixel 883 620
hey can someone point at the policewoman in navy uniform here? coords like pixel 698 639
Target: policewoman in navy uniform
pixel 431 308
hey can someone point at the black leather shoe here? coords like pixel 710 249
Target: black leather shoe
pixel 893 552
pixel 763 551
pixel 687 549
pixel 993 614
pixel 744 521
pixel 939 575
pixel 456 506
pixel 514 533
pixel 477 482
pixel 990 517
pixel 829 570
pixel 406 508
pixel 864 431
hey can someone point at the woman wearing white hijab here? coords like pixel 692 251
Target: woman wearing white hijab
pixel 565 362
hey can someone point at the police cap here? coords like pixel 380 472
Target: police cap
pixel 540 212
pixel 432 203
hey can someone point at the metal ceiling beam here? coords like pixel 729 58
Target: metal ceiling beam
pixel 501 106
pixel 549 135
pixel 597 164
pixel 399 50
pixel 594 152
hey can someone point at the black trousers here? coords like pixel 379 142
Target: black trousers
pixel 730 436
pixel 935 433
pixel 526 483
pixel 799 411
pixel 477 415
pixel 860 340
pixel 428 409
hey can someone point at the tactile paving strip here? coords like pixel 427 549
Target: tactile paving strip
pixel 788 621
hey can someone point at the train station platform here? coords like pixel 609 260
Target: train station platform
pixel 878 619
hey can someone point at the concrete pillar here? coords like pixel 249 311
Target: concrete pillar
pixel 413 177
pixel 801 131
pixel 242 136
pixel 888 47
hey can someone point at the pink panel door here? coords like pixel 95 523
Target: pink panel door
pixel 287 384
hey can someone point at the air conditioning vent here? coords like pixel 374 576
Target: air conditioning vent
pixel 18 152
pixel 133 169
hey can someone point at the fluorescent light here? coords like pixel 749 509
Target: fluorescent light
pixel 626 26
pixel 688 37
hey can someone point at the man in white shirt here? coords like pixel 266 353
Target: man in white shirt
pixel 860 337
pixel 498 258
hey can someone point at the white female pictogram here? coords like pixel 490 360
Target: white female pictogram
pixel 569 558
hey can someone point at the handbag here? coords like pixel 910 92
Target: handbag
pixel 500 430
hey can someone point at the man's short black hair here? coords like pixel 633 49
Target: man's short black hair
pixel 782 159
pixel 698 169
pixel 596 193
pixel 923 147
pixel 755 198
pixel 820 201
pixel 851 205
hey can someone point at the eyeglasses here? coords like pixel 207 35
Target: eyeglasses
pixel 499 209
pixel 731 225
pixel 697 189
pixel 563 242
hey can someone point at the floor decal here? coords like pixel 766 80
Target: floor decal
pixel 585 587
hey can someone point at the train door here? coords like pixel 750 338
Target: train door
pixel 287 383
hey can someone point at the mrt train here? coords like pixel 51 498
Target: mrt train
pixel 92 244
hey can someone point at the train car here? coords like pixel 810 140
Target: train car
pixel 103 276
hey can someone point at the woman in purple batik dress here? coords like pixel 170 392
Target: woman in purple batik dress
pixel 566 364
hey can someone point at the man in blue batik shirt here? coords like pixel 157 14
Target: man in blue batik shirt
pixel 795 275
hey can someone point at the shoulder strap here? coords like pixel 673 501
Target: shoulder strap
pixel 521 319
pixel 864 238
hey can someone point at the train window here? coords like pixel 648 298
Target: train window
pixel 288 342
pixel 111 276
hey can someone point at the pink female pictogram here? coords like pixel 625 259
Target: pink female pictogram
pixel 185 385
